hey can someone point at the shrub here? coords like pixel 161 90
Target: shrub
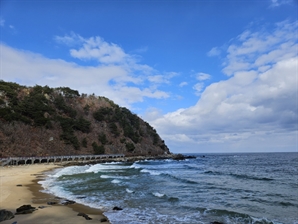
pixel 84 142
pixel 82 125
pixel 130 147
pixel 102 138
pixel 98 150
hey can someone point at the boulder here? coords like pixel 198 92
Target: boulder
pixel 117 208
pixel 5 215
pixel 25 209
pixel 51 202
pixel 103 220
pixel 84 215
pixel 68 202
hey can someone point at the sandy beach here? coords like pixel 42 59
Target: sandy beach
pixel 18 186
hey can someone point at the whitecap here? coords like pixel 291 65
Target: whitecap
pixel 157 194
pixel 71 170
pixel 115 181
pixel 129 191
pixel 152 172
pixel 113 177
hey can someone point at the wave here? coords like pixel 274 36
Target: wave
pixel 114 177
pixel 105 168
pixel 71 170
pixel 227 216
pixel 151 172
pixel 241 176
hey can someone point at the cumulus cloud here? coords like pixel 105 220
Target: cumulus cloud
pixel 253 108
pixel 252 50
pixel 117 76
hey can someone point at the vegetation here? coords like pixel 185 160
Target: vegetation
pixel 52 121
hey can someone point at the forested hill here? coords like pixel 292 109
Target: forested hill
pixel 44 121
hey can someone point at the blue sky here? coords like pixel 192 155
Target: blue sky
pixel 210 76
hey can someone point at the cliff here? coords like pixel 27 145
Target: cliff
pixel 44 121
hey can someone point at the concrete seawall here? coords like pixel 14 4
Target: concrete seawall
pixel 14 161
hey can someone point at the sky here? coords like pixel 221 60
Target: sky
pixel 210 76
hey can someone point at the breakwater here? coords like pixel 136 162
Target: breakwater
pixel 14 161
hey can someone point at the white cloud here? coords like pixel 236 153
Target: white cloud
pixel 198 88
pixel 254 109
pixel 215 51
pixel 276 3
pixel 114 78
pixel 97 48
pixel 252 50
pixel 183 84
pixel 203 76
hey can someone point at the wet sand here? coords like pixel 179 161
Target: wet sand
pixel 13 196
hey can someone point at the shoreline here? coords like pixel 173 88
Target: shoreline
pixel 29 192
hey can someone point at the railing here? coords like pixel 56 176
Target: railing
pixel 55 159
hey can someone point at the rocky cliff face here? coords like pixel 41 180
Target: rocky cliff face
pixel 42 121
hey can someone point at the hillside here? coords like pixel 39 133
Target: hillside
pixel 44 121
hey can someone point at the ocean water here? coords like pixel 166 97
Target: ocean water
pixel 230 188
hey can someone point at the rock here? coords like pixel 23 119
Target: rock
pixel 103 220
pixel 68 202
pixel 25 209
pixel 51 203
pixel 117 208
pixel 182 157
pixel 84 215
pixel 5 215
pixel 41 207
pixel 216 222
pixel 19 185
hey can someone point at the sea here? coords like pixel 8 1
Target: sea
pixel 248 188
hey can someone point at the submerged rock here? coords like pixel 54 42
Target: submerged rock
pixel 5 215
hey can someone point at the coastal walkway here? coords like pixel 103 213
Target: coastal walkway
pixel 14 161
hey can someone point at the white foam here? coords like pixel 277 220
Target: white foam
pixel 71 170
pixel 129 191
pixel 157 194
pixel 115 181
pixel 152 172
pixel 105 168
pixel 113 177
